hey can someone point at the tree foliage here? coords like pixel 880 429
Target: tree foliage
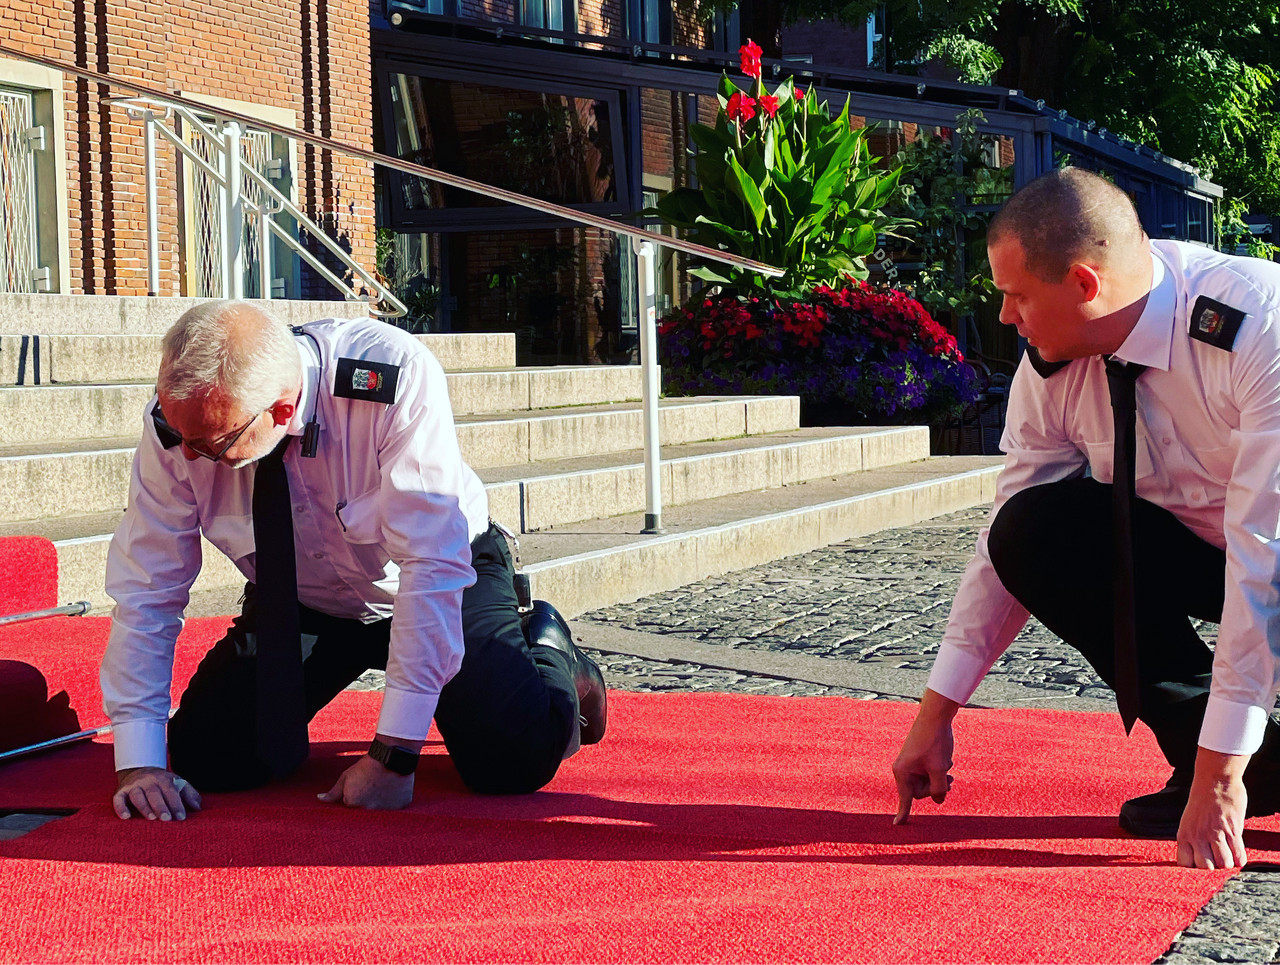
pixel 1195 80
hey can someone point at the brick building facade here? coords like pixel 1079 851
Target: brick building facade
pixel 303 63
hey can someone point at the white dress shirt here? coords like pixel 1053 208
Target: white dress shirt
pixel 1208 450
pixel 383 518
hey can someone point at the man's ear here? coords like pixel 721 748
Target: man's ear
pixel 282 412
pixel 1086 279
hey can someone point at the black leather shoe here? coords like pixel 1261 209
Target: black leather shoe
pixel 545 627
pixel 1157 815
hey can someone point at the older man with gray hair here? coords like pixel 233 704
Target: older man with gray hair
pixel 323 461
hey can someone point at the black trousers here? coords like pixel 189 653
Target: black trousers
pixel 1051 547
pixel 507 717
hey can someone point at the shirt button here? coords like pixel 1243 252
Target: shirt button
pixel 299 509
pixel 317 556
pixel 1167 441
pixel 1197 495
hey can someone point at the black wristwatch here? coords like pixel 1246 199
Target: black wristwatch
pixel 395 759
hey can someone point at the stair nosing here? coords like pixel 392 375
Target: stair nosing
pixel 764 518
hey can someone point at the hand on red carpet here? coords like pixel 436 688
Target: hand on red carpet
pixel 921 767
pixel 367 784
pixel 154 793
pixel 1211 833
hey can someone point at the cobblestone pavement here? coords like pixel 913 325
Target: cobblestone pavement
pixel 879 599
pixel 883 599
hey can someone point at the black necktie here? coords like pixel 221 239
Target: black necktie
pixel 281 703
pixel 1124 409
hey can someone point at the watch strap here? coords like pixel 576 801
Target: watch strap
pixel 395 759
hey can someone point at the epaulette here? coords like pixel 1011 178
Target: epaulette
pixel 365 380
pixel 1044 369
pixel 1215 323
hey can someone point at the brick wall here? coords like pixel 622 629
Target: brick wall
pixel 308 56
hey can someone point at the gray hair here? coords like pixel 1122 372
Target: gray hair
pixel 241 349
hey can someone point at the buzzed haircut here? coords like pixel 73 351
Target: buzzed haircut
pixel 1067 216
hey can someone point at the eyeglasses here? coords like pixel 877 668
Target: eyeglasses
pixel 172 437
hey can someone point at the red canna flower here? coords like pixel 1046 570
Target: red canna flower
pixel 769 104
pixel 750 53
pixel 740 107
pixel 799 93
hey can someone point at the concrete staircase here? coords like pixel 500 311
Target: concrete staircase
pixel 558 449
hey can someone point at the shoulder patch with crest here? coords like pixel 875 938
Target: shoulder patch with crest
pixel 1044 369
pixel 1215 323
pixel 365 380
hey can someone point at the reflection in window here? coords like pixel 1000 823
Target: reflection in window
pixel 554 147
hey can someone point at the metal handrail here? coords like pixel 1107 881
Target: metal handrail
pixel 647 312
pixel 404 167
pixel 143 108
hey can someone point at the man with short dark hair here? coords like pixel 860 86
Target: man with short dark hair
pixel 1141 490
pixel 323 461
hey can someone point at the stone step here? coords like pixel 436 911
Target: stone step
pixel 22 314
pixel 514 438
pixel 75 495
pixel 79 481
pixel 547 494
pixel 33 415
pixel 106 359
pixel 599 562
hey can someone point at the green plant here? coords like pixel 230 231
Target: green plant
pixel 413 286
pixel 782 181
pixel 943 178
pixel 1234 232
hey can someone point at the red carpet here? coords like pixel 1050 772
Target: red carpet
pixel 705 828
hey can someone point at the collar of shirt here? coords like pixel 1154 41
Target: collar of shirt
pixel 310 379
pixel 1151 341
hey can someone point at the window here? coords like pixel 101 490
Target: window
pixel 549 14
pixel 34 240
pixel 554 146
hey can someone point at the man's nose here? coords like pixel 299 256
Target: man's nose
pixel 1008 314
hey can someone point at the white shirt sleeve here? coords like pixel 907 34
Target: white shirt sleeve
pixel 1247 657
pixel 425 532
pixel 153 559
pixel 985 617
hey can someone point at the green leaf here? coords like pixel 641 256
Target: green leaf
pixel 707 273
pixel 740 183
pixel 710 140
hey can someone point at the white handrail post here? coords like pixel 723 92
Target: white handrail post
pixel 264 249
pixel 153 203
pixel 648 319
pixel 233 230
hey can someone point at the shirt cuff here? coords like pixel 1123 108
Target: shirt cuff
pixel 407 714
pixel 140 743
pixel 1231 728
pixel 956 673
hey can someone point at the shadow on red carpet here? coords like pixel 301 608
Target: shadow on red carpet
pixel 706 827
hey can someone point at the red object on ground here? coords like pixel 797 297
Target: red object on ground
pixel 28 574
pixel 706 827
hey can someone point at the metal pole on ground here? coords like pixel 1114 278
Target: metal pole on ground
pixel 651 389
pixel 153 204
